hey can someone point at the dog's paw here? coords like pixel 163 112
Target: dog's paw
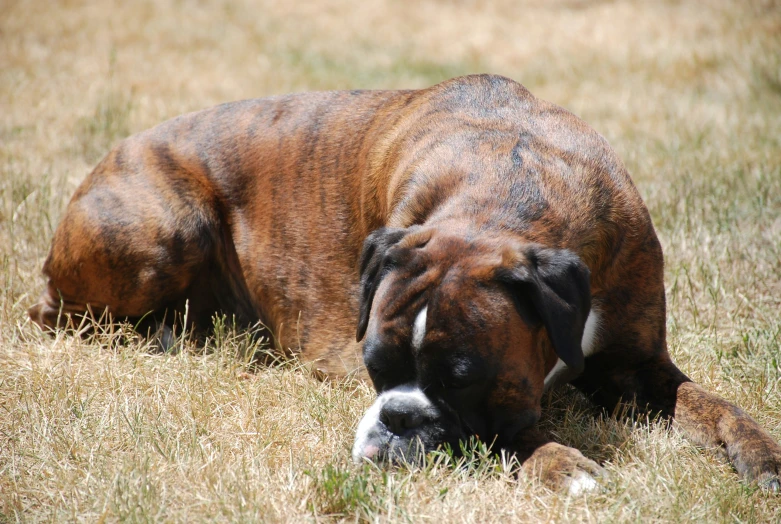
pixel 580 482
pixel 563 469
pixel 769 482
pixel 714 423
pixel 757 457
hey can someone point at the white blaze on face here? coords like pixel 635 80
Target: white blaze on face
pixel 419 329
pixel 588 343
pixel 370 430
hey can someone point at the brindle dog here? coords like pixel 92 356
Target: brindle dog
pixel 488 244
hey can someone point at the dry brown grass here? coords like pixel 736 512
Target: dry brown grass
pixel 689 93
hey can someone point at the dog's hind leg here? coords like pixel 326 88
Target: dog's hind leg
pixel 138 233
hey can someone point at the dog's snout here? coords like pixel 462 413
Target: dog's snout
pixel 402 414
pixel 401 423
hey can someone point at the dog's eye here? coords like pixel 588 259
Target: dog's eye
pixel 461 372
pixel 458 383
pixel 456 387
pixel 372 369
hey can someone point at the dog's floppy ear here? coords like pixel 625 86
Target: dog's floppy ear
pixel 552 286
pixel 374 265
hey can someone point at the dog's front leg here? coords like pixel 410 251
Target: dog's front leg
pixel 713 422
pixel 659 387
pixel 557 466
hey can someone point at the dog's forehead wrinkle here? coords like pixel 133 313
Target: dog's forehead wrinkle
pixel 417 240
pixel 402 292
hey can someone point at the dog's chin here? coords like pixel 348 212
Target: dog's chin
pixel 393 450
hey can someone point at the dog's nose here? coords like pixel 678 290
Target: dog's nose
pixel 401 414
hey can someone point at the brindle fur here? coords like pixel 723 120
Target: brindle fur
pixel 260 209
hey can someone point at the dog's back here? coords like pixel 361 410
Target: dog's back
pixel 259 208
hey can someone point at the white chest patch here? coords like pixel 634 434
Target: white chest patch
pixel 419 329
pixel 590 332
pixel 589 343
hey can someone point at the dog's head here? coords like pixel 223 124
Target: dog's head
pixel 459 335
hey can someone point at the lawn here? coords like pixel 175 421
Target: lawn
pixel 104 429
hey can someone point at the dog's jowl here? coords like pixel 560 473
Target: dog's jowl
pixel 484 244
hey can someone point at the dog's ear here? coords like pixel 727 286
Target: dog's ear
pixel 375 264
pixel 552 286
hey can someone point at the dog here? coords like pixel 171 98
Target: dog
pixel 487 244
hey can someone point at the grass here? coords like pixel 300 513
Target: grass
pixel 104 429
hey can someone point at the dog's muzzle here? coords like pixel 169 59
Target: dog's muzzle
pixel 401 426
